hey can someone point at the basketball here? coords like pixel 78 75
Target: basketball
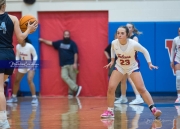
pixel 23 22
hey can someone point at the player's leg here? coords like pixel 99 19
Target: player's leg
pixel 2 96
pixel 5 77
pixel 139 83
pixel 138 99
pixel 73 75
pixel 8 55
pixel 115 78
pixel 65 76
pixel 17 81
pixel 32 86
pixel 177 69
pixel 123 98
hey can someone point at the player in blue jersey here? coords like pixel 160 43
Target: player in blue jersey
pixel 8 25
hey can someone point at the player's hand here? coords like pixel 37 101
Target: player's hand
pixel 172 65
pixel 151 66
pixel 74 66
pixel 32 27
pixel 109 65
pixel 41 40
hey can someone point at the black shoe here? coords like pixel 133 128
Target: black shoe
pixel 78 91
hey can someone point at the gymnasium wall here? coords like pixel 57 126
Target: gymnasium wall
pixel 158 20
pixel 119 10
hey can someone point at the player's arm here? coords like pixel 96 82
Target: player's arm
pixel 21 36
pixel 106 52
pixel 172 54
pixel 17 53
pixel 48 42
pixel 35 57
pixel 139 47
pixel 112 58
pixel 34 54
pixel 112 53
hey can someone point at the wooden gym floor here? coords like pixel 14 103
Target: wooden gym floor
pixel 84 113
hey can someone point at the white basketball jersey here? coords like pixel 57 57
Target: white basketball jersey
pixel 26 52
pixel 126 53
pixel 175 51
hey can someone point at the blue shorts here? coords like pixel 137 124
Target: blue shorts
pixel 175 63
pixel 6 57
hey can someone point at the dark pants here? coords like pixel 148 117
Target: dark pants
pixel 118 91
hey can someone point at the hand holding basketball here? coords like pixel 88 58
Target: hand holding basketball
pixel 28 22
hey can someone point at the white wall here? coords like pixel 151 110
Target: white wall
pixel 167 10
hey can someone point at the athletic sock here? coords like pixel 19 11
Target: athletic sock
pixel 178 95
pixel 151 106
pixel 111 109
pixel 138 96
pixel 123 96
pixel 14 96
pixel 3 115
pixel 34 96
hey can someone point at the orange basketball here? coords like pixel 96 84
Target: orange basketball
pixel 23 22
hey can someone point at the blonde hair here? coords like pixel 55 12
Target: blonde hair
pixel 136 31
pixel 2 2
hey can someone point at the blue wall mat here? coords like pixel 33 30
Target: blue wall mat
pixel 165 80
pixel 147 39
pixel 24 87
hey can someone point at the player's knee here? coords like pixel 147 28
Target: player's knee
pixel 141 89
pixel 64 76
pixel 178 79
pixel 111 88
pixel 30 80
pixel 17 81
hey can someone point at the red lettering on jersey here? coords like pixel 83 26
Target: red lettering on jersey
pixel 168 46
pixel 22 54
pixel 123 56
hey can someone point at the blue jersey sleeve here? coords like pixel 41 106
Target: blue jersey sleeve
pixel 56 44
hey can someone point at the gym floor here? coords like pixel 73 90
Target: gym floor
pixel 84 113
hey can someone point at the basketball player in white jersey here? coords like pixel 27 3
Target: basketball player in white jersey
pixel 175 62
pixel 125 50
pixel 123 99
pixel 25 52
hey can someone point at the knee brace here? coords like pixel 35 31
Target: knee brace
pixel 178 79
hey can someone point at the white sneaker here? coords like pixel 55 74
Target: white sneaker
pixel 177 100
pixel 137 108
pixel 34 101
pixel 121 107
pixel 121 100
pixel 78 91
pixel 12 100
pixel 4 124
pixel 137 101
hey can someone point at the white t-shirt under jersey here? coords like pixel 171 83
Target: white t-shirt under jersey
pixel 25 52
pixel 175 50
pixel 126 53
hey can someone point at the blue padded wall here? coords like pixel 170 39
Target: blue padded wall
pixel 153 39
pixel 165 80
